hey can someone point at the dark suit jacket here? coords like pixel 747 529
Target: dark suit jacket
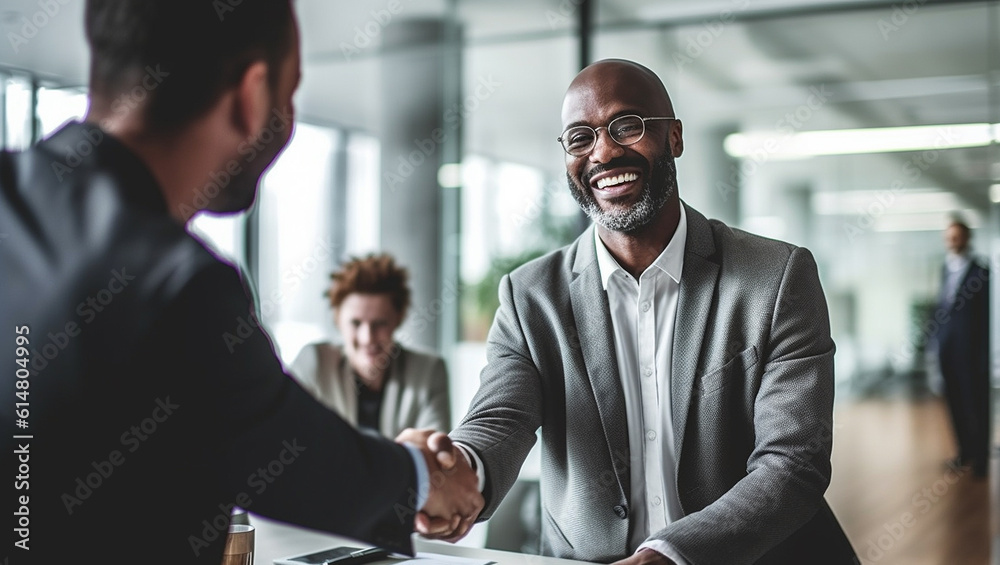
pixel 751 400
pixel 964 328
pixel 154 400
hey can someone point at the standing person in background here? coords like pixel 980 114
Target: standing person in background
pixel 963 341
pixel 371 380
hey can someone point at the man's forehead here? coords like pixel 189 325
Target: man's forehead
pixel 605 88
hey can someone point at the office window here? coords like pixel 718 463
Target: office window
pixel 296 249
pixel 17 112
pixel 361 218
pixel 56 106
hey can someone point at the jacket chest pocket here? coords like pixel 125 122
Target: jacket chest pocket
pixel 733 369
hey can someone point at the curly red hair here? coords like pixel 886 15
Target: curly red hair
pixel 371 274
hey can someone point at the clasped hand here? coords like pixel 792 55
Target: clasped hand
pixel 454 501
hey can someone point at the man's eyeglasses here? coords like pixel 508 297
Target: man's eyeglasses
pixel 625 130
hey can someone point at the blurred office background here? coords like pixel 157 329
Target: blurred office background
pixel 427 129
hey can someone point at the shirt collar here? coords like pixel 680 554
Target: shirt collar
pixel 670 261
pixel 956 262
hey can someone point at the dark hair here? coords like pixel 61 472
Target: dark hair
pixel 958 222
pixel 194 49
pixel 372 274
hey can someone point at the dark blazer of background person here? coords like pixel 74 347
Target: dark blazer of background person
pixel 142 420
pixel 963 342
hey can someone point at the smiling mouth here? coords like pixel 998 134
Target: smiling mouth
pixel 616 180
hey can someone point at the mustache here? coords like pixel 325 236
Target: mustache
pixel 614 164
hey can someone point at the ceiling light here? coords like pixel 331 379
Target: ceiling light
pixel 909 201
pixel 931 221
pixel 765 145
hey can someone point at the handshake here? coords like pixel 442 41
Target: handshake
pixel 454 500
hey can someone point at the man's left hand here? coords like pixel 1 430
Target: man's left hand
pixel 646 557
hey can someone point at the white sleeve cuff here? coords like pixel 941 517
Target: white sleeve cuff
pixel 663 548
pixel 474 461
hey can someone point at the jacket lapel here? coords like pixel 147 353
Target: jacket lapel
pixel 591 313
pixel 697 290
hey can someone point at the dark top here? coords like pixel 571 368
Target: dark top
pixel 369 405
pixel 155 401
pixel 963 325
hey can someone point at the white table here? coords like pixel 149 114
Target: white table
pixel 276 539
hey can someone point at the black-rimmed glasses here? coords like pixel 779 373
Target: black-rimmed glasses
pixel 625 130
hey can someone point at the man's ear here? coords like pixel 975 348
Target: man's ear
pixel 253 95
pixel 675 138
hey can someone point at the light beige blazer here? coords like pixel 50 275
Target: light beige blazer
pixel 415 394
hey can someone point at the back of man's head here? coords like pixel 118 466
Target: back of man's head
pixel 177 56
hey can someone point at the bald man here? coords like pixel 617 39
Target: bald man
pixel 681 371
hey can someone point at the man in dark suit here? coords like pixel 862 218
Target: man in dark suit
pixel 962 337
pixel 681 371
pixel 136 425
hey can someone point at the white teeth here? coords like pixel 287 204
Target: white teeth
pixel 612 181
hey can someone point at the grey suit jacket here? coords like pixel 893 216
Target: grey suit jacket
pixel 415 394
pixel 752 400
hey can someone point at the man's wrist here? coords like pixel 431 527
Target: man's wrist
pixel 423 475
pixel 473 460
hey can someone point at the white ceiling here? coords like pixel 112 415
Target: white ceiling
pixel 932 69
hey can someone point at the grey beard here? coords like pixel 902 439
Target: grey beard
pixel 640 214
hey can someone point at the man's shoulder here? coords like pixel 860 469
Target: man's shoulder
pixel 91 228
pixel 553 265
pixel 736 242
pixel 751 256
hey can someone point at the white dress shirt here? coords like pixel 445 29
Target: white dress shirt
pixel 642 316
pixel 955 268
